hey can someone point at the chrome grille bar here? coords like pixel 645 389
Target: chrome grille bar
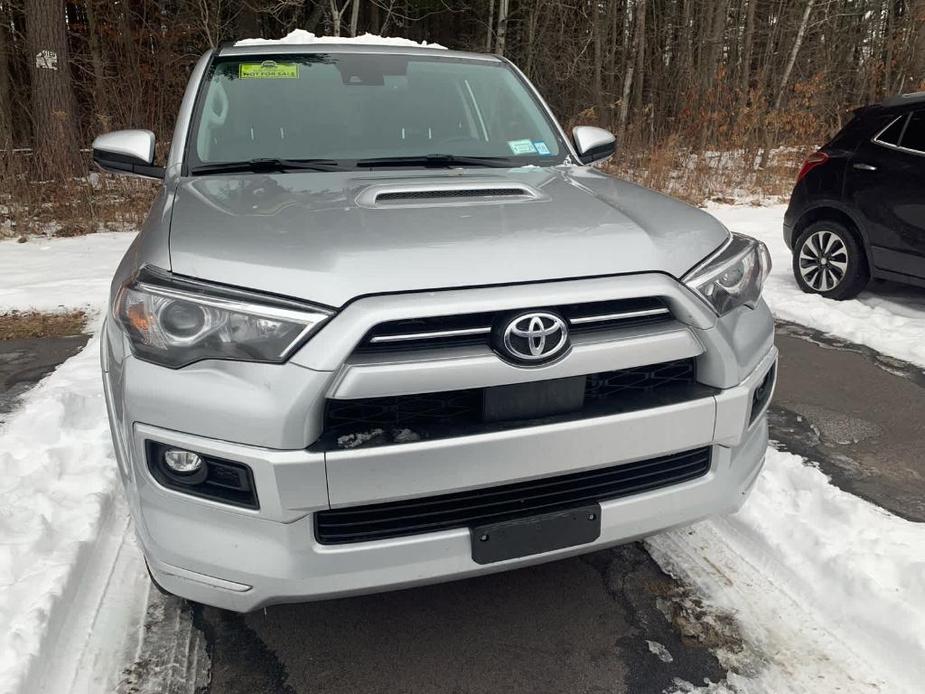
pixel 625 315
pixel 434 335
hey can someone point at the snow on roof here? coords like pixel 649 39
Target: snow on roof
pixel 301 36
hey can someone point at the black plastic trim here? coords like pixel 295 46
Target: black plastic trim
pixel 213 487
pixel 478 507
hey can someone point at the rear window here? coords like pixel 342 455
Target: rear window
pixel 349 107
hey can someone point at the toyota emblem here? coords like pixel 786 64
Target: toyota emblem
pixel 534 338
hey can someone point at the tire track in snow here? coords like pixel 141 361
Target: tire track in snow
pixel 816 615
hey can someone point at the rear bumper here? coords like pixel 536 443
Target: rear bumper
pixel 243 560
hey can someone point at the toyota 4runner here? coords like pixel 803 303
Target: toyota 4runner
pixel 385 325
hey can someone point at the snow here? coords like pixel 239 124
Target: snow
pixel 828 590
pixel 58 273
pixel 303 37
pixel 60 512
pixel 888 318
pixel 58 475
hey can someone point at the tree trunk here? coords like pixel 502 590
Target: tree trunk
pixel 54 118
pixel 640 57
pixel 354 17
pixel 6 85
pixel 748 42
pixel 337 16
pixel 247 23
pixel 373 17
pixel 491 26
pixel 502 26
pixel 918 61
pixel 597 30
pixel 632 59
pixel 314 18
pixel 100 111
pixel 793 54
pixel 715 46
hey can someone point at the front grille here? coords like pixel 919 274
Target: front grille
pixel 507 502
pixel 645 379
pixel 378 421
pixel 475 328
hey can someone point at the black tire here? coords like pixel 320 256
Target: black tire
pixel 829 260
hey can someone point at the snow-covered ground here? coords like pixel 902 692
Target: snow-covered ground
pixel 828 591
pixel 889 318
pixel 52 274
pixel 60 513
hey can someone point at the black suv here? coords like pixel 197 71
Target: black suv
pixel 858 208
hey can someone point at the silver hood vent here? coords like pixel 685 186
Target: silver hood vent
pixel 429 193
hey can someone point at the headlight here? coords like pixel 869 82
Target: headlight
pixel 733 276
pixel 174 321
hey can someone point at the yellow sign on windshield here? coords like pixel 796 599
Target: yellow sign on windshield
pixel 268 70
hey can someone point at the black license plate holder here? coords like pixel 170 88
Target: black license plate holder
pixel 534 399
pixel 522 537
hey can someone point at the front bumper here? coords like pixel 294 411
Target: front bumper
pixel 266 415
pixel 241 561
pixel 243 564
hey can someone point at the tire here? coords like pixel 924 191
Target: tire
pixel 829 260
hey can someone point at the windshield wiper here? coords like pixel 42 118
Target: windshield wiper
pixel 438 160
pixel 268 164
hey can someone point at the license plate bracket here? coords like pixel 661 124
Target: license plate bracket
pixel 522 537
pixel 532 400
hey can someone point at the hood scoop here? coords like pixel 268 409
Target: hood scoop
pixel 438 193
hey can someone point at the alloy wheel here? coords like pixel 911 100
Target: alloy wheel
pixel 823 260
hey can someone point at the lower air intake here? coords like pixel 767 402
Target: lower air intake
pixel 509 501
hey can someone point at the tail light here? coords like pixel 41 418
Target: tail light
pixel 812 161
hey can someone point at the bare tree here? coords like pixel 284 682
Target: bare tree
pixel 797 42
pixel 337 15
pixel 634 57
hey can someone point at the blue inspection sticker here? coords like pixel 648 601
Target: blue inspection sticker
pixel 541 147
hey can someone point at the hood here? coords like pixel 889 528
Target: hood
pixel 328 237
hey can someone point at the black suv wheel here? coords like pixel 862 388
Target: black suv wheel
pixel 828 260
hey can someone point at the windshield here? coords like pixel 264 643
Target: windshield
pixel 347 109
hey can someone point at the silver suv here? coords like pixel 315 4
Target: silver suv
pixel 385 326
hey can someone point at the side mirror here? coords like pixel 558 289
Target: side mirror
pixel 127 152
pixel 593 144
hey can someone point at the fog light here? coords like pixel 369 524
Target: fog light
pixel 182 462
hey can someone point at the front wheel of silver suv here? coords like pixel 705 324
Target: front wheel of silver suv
pixel 829 260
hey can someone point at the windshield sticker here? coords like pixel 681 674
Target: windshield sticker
pixel 521 146
pixel 541 148
pixel 268 70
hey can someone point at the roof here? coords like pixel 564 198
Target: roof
pixel 903 100
pixel 302 37
pixel 295 49
pixel 301 41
